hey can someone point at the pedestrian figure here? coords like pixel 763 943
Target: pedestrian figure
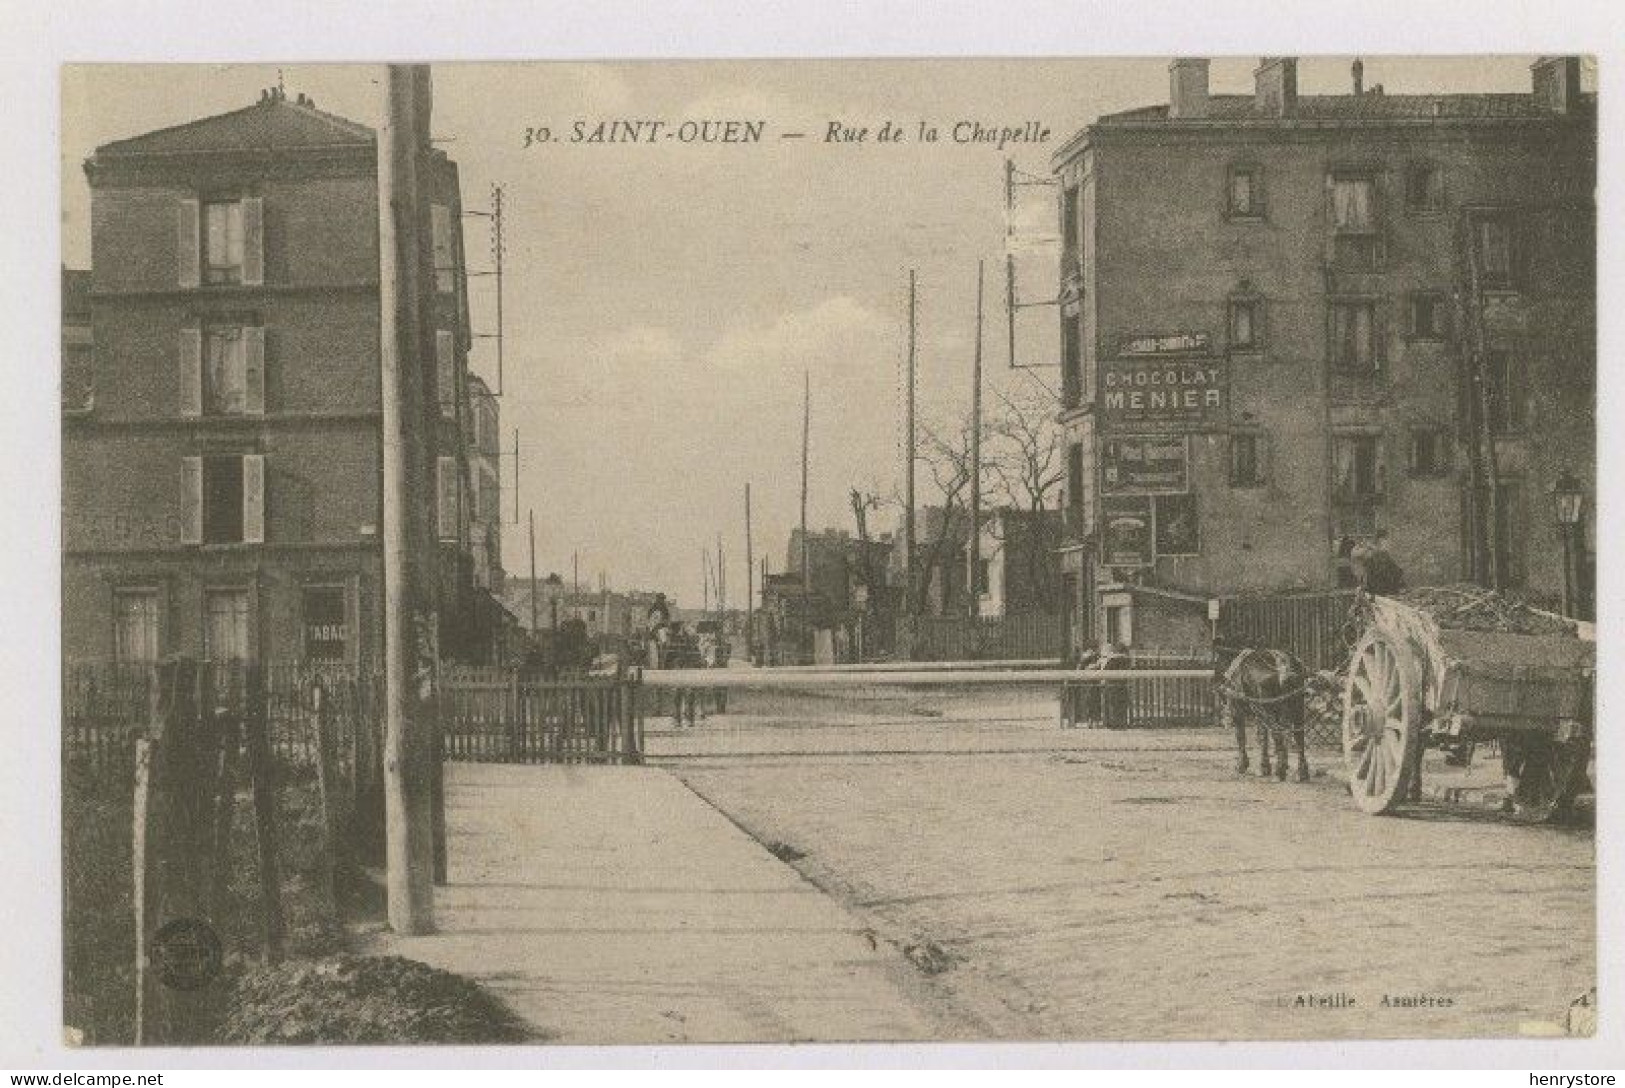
pixel 1375 567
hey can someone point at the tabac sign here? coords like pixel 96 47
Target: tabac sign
pixel 1164 394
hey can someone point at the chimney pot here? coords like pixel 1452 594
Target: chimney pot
pixel 1556 83
pixel 1187 90
pixel 1275 83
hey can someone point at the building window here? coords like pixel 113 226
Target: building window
pixel 1354 337
pixel 1245 331
pixel 1503 374
pixel 1069 232
pixel 225 626
pixel 225 383
pixel 135 626
pixel 447 516
pixel 445 352
pixel 445 258
pixel 1424 187
pixel 1430 452
pixel 1356 467
pixel 224 499
pixel 1071 361
pixel 1244 193
pixel 1355 229
pixel 1494 249
pixel 1074 483
pixel 984 569
pixel 1247 460
pixel 1428 316
pixel 223 242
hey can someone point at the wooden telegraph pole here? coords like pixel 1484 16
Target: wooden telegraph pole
pixel 974 552
pixel 750 577
pixel 806 434
pixel 535 619
pixel 409 546
pixel 909 458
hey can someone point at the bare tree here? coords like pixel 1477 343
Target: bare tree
pixel 1026 462
pixel 947 455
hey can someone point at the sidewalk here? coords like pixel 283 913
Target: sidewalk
pixel 613 905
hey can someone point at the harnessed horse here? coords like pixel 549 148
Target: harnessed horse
pixel 1268 687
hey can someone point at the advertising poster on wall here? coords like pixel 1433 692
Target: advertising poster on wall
pixel 1128 537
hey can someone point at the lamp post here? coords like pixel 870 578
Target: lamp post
pixel 1569 500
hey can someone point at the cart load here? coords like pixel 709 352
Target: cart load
pixel 1460 664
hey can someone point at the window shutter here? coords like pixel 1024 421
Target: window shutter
pixel 191 500
pixel 253 241
pixel 446 360
pixel 254 370
pixel 187 253
pixel 253 498
pixel 189 370
pixel 474 507
pixel 446 489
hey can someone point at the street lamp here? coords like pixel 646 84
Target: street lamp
pixel 1569 500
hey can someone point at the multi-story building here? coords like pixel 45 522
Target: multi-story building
pixel 1292 321
pixel 1021 568
pixel 222 479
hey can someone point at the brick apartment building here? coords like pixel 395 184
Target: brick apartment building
pixel 1276 310
pixel 221 445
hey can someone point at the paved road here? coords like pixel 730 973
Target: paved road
pixel 1092 885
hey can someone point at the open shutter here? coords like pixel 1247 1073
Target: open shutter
pixel 191 500
pixel 446 370
pixel 188 256
pixel 446 490
pixel 254 370
pixel 253 498
pixel 189 370
pixel 253 241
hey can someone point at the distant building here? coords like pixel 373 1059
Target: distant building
pixel 222 416
pixel 607 612
pixel 1289 321
pixel 1021 563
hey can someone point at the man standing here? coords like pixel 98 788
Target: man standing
pixel 1375 568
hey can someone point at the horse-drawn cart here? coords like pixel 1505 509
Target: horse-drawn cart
pixel 1415 681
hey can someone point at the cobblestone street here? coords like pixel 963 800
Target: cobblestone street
pixel 1093 885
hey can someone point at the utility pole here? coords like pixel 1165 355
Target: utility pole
pixel 409 545
pixel 705 579
pixel 535 619
pixel 750 575
pixel 806 433
pixel 974 560
pixel 722 579
pixel 909 440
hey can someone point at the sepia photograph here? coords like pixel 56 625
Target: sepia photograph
pixel 960 550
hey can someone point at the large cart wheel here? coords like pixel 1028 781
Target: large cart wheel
pixel 1382 723
pixel 1549 774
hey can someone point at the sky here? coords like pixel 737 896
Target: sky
pixel 663 301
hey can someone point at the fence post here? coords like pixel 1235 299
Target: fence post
pixel 437 786
pixel 260 773
pixel 325 787
pixel 141 872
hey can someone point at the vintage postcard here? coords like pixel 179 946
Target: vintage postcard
pixel 1144 511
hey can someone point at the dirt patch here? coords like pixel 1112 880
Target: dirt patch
pixel 784 852
pixel 365 999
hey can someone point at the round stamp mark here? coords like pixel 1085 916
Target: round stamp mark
pixel 186 954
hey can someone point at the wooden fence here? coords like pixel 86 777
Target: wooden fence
pixel 977 638
pixel 1140 699
pixel 1313 627
pixel 159 762
pixel 494 715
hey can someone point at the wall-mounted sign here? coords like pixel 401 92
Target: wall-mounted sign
pixel 1176 532
pixel 1170 343
pixel 1164 394
pixel 1144 464
pixel 327 636
pixel 1126 537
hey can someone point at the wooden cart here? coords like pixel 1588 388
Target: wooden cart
pixel 1413 684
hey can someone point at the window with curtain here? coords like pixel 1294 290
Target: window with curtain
pixel 225 375
pixel 1355 237
pixel 135 626
pixel 1354 336
pixel 223 242
pixel 1356 467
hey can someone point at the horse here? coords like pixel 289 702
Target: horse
pixel 1267 686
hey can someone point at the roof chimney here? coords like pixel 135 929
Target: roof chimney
pixel 1187 88
pixel 1556 83
pixel 1359 76
pixel 1276 86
